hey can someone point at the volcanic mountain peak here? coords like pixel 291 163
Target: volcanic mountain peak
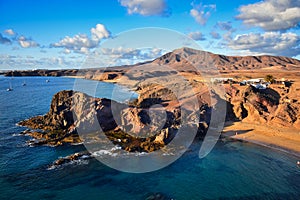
pixel 185 57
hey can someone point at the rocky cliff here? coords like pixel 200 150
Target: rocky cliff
pixel 134 128
pixel 273 106
pixel 75 117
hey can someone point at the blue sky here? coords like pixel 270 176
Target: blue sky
pixel 61 34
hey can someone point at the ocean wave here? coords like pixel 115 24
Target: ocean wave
pixel 141 154
pixel 17 134
pixel 82 161
pixel 104 152
pixel 76 144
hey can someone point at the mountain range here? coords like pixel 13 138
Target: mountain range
pixel 186 59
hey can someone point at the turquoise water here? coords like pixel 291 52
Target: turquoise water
pixel 233 170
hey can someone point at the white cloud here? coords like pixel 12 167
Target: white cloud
pixel 198 36
pixel 24 42
pixel 66 51
pixel 271 15
pixel 275 43
pixel 146 7
pixel 119 51
pixel 224 26
pixel 9 32
pixel 215 35
pixel 4 40
pixel 228 35
pixel 201 13
pixel 76 43
pixel 122 56
pixel 99 32
pixel 131 53
pixel 27 42
pixel 81 43
pixel 30 62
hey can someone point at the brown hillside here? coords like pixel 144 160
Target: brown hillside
pixel 185 57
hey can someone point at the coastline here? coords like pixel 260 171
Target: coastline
pixel 280 139
pixel 83 77
pixel 69 76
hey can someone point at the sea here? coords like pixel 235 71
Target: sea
pixel 232 170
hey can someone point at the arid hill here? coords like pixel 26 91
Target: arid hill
pixel 184 59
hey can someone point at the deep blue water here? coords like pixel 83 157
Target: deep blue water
pixel 233 170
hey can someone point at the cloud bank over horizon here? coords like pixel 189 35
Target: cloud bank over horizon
pixel 248 28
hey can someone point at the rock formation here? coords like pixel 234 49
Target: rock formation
pixel 76 157
pixel 72 113
pixel 138 128
pixel 265 106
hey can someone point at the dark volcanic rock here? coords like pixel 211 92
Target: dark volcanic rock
pixel 73 113
pixel 76 157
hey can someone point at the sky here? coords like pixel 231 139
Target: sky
pixel 60 34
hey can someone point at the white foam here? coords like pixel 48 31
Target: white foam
pixel 17 134
pixel 110 152
pixel 76 144
pixel 141 154
pixel 85 156
pixel 73 162
pixel 103 152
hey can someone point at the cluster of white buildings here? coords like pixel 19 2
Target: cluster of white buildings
pixel 258 83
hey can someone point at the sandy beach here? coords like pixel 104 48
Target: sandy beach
pixel 283 139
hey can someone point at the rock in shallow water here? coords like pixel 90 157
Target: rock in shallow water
pixel 82 156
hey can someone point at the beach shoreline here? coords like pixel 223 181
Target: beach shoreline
pixel 280 139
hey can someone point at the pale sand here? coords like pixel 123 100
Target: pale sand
pixel 283 139
pixel 73 76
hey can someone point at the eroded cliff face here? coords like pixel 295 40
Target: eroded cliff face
pixel 142 126
pixel 273 106
pixel 134 128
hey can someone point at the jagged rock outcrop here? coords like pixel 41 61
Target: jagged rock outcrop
pixel 76 157
pixel 264 106
pixel 138 126
pixel 74 112
pixel 142 127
